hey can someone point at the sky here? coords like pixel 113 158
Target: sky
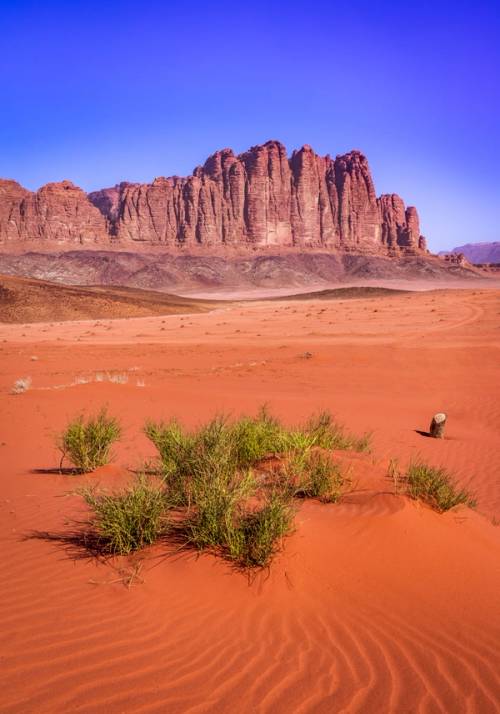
pixel 100 92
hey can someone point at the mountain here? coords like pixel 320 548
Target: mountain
pixel 260 199
pixel 479 252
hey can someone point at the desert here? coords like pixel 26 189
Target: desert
pixel 249 357
pixel 374 603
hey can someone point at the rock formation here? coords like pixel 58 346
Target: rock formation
pixel 258 199
pixel 478 253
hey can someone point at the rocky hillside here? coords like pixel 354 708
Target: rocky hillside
pixel 259 199
pixel 480 253
pixel 172 273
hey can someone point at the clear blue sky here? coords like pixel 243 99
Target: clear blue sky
pixel 100 92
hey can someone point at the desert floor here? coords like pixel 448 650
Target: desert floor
pixel 377 604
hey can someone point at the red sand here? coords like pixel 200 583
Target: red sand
pixel 375 605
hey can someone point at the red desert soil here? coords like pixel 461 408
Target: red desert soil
pixel 375 605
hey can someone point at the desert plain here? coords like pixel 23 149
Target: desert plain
pixel 375 604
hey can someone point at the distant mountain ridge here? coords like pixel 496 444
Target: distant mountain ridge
pixel 259 199
pixel 478 252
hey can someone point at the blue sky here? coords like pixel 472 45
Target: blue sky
pixel 102 92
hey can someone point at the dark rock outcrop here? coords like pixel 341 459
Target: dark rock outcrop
pixel 257 200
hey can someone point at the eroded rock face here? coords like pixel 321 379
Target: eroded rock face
pixel 56 213
pixel 258 199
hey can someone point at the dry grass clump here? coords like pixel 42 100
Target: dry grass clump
pixel 21 385
pixel 128 520
pixel 436 487
pixel 86 443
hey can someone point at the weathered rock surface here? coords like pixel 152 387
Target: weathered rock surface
pixel 259 199
pixel 171 272
pixel 56 213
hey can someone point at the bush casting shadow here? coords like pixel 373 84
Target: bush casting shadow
pixel 228 488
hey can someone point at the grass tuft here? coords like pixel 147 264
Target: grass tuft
pixel 256 536
pixel 87 443
pixel 246 441
pixel 328 434
pixel 128 520
pixel 435 487
pixel 254 438
pixel 318 477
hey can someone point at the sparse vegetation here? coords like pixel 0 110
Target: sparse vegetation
pixel 436 487
pixel 228 486
pixel 318 477
pixel 128 520
pixel 246 441
pixel 21 385
pixel 86 443
pixel 328 434
pixel 115 377
pixel 394 474
pixel 255 538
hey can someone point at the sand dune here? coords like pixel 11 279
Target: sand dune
pixel 377 604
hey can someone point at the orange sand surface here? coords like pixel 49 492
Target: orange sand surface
pixel 377 604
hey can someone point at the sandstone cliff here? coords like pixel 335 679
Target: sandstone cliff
pixel 258 199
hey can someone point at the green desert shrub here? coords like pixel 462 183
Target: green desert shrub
pixel 87 442
pixel 207 477
pixel 436 487
pixel 191 458
pixel 175 449
pixel 254 438
pixel 245 441
pixel 217 496
pixel 317 476
pixel 256 536
pixel 128 520
pixel 326 433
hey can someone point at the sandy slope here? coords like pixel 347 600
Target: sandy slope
pixel 26 300
pixel 375 605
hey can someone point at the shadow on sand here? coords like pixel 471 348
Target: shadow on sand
pixel 58 471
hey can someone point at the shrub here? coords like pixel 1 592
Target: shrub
pixel 436 487
pixel 87 443
pixel 255 438
pixel 173 446
pixel 318 477
pixel 246 441
pixel 328 434
pixel 187 458
pixel 128 520
pixel 207 475
pixel 217 495
pixel 255 538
